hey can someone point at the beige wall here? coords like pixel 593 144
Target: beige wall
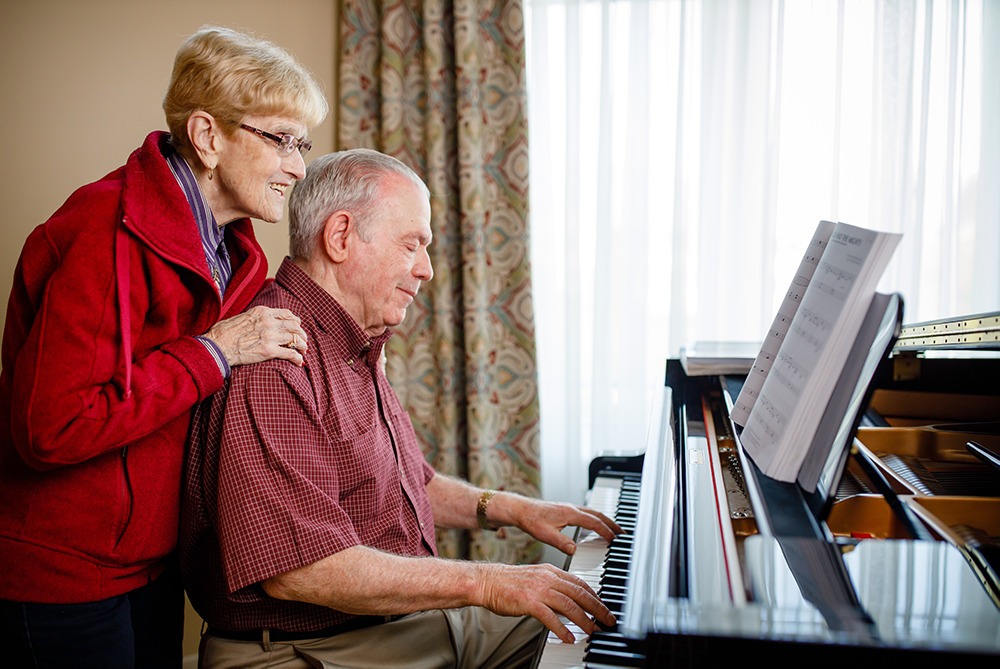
pixel 81 83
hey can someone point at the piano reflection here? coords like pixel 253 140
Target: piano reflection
pixel 893 556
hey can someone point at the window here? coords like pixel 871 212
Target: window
pixel 682 153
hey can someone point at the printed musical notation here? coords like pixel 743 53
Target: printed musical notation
pixel 834 281
pixel 796 372
pixel 782 321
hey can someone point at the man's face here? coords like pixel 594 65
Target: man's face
pixel 389 267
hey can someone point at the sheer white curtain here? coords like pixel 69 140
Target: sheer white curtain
pixel 682 153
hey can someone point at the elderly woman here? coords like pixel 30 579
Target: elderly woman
pixel 125 313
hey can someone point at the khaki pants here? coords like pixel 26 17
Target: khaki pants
pixel 470 638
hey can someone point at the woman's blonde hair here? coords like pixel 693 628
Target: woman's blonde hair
pixel 232 75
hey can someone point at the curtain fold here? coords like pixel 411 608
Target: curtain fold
pixel 683 152
pixel 440 84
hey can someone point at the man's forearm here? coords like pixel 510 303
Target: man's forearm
pixel 454 502
pixel 365 581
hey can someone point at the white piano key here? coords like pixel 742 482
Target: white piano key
pixel 587 563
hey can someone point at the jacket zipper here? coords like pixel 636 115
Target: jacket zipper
pixel 130 497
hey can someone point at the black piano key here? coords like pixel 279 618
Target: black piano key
pixel 616 606
pixel 609 641
pixel 613 658
pixel 613 636
pixel 617 561
pixel 608 648
pixel 614 575
pixel 609 645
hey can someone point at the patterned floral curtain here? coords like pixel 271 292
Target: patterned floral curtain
pixel 440 84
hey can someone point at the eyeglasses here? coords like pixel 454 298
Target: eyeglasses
pixel 286 143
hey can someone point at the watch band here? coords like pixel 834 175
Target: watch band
pixel 484 501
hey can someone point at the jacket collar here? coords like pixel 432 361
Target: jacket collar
pixel 155 209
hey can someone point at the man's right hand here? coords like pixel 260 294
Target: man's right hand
pixel 544 592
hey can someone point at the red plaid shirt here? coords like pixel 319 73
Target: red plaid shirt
pixel 289 465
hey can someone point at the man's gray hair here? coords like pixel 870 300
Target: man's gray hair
pixel 348 180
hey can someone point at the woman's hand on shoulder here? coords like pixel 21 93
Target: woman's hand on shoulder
pixel 258 334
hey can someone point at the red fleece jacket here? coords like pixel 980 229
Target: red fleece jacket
pixel 96 400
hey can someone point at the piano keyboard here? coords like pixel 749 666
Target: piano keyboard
pixel 604 567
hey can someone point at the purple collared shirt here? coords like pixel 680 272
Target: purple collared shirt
pixel 212 236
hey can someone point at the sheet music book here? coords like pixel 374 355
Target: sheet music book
pixel 782 321
pixel 798 370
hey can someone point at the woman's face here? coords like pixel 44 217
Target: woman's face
pixel 253 176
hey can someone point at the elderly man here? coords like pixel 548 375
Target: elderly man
pixel 310 511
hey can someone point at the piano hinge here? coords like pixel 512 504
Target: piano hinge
pixel 979 331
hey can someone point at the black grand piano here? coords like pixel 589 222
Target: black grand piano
pixel 895 554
